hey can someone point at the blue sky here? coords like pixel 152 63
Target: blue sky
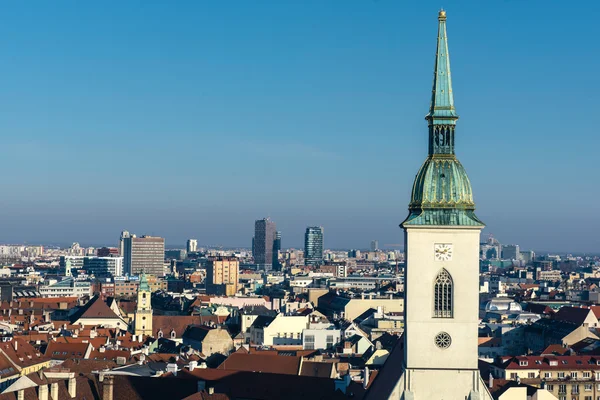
pixel 193 119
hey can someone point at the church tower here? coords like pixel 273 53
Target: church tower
pixel 143 310
pixel 442 261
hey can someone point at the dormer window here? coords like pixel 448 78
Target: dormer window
pixel 523 363
pixel 564 361
pixel 554 362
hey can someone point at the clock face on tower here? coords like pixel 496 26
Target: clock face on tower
pixel 443 252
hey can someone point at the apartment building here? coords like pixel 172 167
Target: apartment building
pixel 566 377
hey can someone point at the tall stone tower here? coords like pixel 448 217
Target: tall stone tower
pixel 143 311
pixel 442 261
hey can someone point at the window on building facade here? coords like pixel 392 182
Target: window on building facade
pixel 547 375
pixel 587 387
pixel 442 294
pixel 329 341
pixel 531 375
pixel 574 375
pixel 586 374
pixel 574 389
pixel 309 342
pixel 562 388
pixel 550 388
pixel 561 374
pixel 513 375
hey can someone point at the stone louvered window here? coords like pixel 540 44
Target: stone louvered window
pixel 443 295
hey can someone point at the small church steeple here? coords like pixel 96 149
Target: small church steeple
pixel 142 323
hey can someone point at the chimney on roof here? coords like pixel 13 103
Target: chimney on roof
pixel 108 386
pixel 192 365
pixel 141 337
pixel 491 381
pixel 54 390
pixel 15 344
pixel 72 386
pixel 21 394
pixel 366 378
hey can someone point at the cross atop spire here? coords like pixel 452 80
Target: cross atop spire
pixel 442 109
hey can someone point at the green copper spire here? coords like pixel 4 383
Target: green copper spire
pixel 144 283
pixel 442 192
pixel 442 114
pixel 442 109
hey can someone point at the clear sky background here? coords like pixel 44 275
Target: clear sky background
pixel 193 119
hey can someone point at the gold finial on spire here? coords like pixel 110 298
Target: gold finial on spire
pixel 442 15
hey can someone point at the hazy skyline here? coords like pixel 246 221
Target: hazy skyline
pixel 196 120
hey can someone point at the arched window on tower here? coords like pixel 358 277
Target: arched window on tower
pixel 443 295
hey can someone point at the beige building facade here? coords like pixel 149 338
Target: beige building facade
pixel 222 276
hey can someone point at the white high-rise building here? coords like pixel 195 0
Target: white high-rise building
pixel 192 245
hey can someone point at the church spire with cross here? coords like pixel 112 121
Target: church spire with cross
pixel 442 193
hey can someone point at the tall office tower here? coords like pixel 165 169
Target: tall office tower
pixel 511 252
pixel 222 276
pixel 122 240
pixel 143 310
pixel 276 250
pixel 192 245
pixel 264 238
pixel 313 245
pixel 146 253
pixel 442 267
pixel 374 245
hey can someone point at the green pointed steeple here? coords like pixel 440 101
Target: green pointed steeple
pixel 442 192
pixel 442 109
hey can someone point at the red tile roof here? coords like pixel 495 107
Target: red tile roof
pixel 179 323
pixel 555 349
pixel 550 362
pixel 25 355
pixel 64 351
pixel 262 363
pixel 95 308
